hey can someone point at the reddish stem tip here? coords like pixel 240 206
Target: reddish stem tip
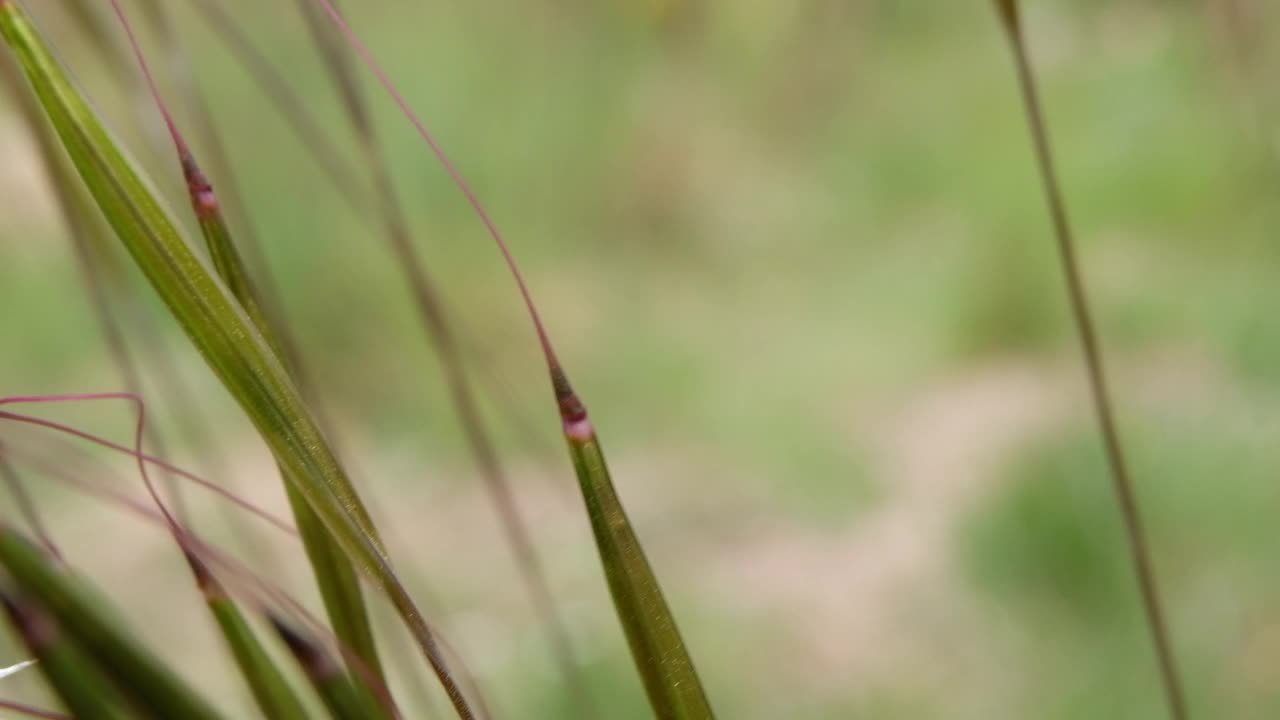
pixel 203 199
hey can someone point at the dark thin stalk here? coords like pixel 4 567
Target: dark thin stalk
pixel 440 334
pixel 1091 348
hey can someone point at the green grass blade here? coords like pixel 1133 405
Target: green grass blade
pixel 78 684
pixel 339 585
pixel 344 698
pixel 656 646
pixel 664 664
pixel 140 675
pixel 218 328
pixel 336 577
pixel 271 691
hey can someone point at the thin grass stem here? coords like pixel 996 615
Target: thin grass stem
pixel 1090 346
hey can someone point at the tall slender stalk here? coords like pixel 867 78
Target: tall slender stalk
pixel 1092 351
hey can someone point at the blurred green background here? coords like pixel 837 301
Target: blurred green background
pixel 796 258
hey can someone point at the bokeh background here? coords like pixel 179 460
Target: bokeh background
pixel 796 258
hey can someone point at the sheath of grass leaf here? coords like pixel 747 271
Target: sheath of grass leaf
pixel 342 697
pixel 77 683
pixel 660 655
pixel 218 328
pixel 271 691
pixel 140 676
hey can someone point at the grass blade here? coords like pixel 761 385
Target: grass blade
pixel 71 673
pixel 139 675
pixel 218 327
pixel 1092 350
pixel 336 577
pixel 270 689
pixel 665 666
